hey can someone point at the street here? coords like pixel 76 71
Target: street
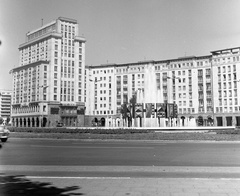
pixel 68 162
pixel 27 153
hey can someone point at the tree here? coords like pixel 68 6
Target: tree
pixel 8 120
pixel 133 101
pixel 1 120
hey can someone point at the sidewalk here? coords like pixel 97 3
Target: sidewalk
pixel 119 180
pixel 150 186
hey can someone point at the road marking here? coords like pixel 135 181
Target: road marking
pixel 124 178
pixel 92 147
pixel 71 177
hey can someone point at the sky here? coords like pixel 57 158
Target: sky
pixel 124 31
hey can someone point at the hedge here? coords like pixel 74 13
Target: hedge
pixel 78 130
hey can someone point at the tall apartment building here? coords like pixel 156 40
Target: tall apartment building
pixel 205 88
pixel 100 91
pixel 5 104
pixel 48 83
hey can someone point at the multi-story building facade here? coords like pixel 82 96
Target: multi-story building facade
pixel 205 88
pixel 5 104
pixel 100 90
pixel 226 87
pixel 48 83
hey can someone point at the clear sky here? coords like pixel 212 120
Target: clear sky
pixel 124 31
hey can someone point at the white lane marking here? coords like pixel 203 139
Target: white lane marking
pixel 124 178
pixel 71 177
pixel 93 147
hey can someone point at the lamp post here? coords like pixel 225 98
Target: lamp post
pixel 94 82
pixel 43 87
pixel 174 106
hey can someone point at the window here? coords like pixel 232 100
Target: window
pixel 234 67
pixel 189 72
pixel 190 104
pixel 224 77
pixel 190 95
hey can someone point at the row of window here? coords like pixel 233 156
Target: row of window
pixel 34 52
pixel 103 112
pixel 227 85
pixel 226 60
pixel 227 101
pixel 42 32
pixel 69 28
pixel 227 109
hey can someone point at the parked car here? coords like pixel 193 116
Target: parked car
pixel 60 125
pixel 4 133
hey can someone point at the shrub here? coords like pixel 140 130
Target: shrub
pixel 78 130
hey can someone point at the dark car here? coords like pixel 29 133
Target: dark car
pixel 60 125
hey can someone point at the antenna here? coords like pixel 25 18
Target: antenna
pixel 42 21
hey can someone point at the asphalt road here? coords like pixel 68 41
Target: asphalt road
pixel 36 157
pixel 74 167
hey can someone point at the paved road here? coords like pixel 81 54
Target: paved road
pixel 101 158
pixel 51 167
pixel 95 153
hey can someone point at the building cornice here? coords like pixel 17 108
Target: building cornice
pixel 225 50
pixel 79 39
pixel 67 19
pixel 29 65
pixel 45 36
pixel 151 62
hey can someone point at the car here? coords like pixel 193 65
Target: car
pixel 60 125
pixel 4 133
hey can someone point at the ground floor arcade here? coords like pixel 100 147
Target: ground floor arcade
pixel 40 121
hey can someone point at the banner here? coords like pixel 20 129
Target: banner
pixel 175 113
pixel 170 110
pixel 138 110
pixel 161 110
pixel 129 113
pixel 148 110
pixel 153 110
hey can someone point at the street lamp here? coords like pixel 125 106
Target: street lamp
pixel 43 87
pixel 94 82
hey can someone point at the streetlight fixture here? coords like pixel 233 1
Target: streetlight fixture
pixel 43 87
pixel 94 81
